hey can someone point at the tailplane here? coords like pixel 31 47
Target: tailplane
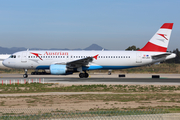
pixel 159 42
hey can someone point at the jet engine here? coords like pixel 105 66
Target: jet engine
pixel 60 70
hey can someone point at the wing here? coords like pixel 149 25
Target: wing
pixel 79 62
pixel 160 56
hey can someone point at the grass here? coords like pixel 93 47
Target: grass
pixel 101 114
pixel 142 94
pixel 38 87
pixel 139 98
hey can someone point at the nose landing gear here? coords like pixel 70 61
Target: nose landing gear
pixel 25 75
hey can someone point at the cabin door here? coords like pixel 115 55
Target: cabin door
pixel 138 58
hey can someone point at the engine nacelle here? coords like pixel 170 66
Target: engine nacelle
pixel 60 70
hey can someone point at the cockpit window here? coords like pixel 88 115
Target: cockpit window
pixel 12 56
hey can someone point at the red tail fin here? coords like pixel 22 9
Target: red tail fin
pixel 159 42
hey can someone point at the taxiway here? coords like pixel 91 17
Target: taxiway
pixel 134 79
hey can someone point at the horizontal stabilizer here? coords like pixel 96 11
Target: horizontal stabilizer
pixel 160 56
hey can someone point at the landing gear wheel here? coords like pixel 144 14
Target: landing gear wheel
pixel 81 75
pixel 86 75
pixel 25 75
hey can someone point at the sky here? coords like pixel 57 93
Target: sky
pixel 112 24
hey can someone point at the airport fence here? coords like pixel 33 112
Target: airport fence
pixel 50 114
pixel 22 81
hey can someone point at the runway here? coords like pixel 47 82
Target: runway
pixel 94 79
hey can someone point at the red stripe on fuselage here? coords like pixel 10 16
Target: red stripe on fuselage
pixel 152 47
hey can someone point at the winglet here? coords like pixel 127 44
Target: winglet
pixel 95 56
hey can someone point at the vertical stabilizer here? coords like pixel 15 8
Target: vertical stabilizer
pixel 159 42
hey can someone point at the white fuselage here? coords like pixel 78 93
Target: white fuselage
pixel 105 59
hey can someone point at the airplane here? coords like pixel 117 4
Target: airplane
pixel 2 58
pixel 67 62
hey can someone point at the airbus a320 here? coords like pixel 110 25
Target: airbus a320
pixel 67 62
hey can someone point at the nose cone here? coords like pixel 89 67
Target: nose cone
pixel 5 63
pixel 9 63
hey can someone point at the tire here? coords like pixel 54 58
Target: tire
pixel 81 75
pixel 86 75
pixel 25 75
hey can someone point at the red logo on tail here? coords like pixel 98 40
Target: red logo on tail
pixel 163 35
pixel 37 55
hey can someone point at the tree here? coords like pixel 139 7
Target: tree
pixel 133 47
pixel 176 59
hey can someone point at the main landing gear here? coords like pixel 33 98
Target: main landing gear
pixel 25 75
pixel 84 75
